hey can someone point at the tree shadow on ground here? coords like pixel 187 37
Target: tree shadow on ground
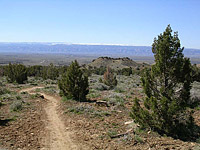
pixel 4 122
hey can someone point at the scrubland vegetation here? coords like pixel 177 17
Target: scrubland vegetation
pixel 125 108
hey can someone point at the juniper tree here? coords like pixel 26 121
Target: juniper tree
pixel 52 72
pixel 110 78
pixel 16 73
pixel 167 87
pixel 74 84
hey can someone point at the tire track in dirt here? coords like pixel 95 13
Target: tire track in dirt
pixel 58 138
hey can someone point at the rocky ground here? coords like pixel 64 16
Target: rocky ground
pixel 22 125
pixel 92 125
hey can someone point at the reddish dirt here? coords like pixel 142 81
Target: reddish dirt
pixel 58 138
pixel 93 131
pixel 27 131
pixel 38 127
pixel 47 124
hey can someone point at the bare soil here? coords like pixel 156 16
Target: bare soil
pixel 26 129
pixel 58 138
pixel 50 124
pixel 38 128
pixel 95 132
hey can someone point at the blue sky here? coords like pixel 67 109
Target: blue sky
pixel 132 22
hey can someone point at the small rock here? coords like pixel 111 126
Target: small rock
pixel 42 96
pixel 129 122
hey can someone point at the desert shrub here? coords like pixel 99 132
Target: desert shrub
pixel 88 110
pixel 195 73
pixel 127 138
pixel 125 71
pixel 48 89
pixel 98 71
pixel 167 87
pixel 16 106
pixel 92 81
pixel 18 97
pixel 119 89
pixel 4 90
pixel 81 109
pixel 65 99
pixel 115 99
pixel 35 96
pixel 110 78
pixel 8 96
pixel 16 73
pixel 100 87
pixel 73 84
pixel 93 95
pixel 100 80
pixel 100 113
pixel 111 133
pixel 138 139
pixel 195 95
pixel 118 101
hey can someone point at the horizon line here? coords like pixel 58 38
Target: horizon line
pixel 106 44
pixel 69 43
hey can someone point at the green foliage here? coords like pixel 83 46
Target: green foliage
pixel 138 139
pixel 16 106
pixel 110 78
pixel 64 99
pixel 112 133
pixel 50 72
pixel 3 71
pixel 35 96
pixel 86 71
pixel 119 90
pixel 18 97
pixel 4 90
pixel 125 71
pixel 35 71
pixel 46 72
pixel 74 84
pixel 98 71
pixel 167 88
pixel 93 95
pixel 100 80
pixel 16 73
pixel 195 73
pixel 88 110
pixel 117 100
pixel 1 92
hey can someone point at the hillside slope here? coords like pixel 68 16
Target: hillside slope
pixel 115 63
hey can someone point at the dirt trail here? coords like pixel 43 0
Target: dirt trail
pixel 58 138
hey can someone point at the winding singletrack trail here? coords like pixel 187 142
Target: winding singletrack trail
pixel 58 138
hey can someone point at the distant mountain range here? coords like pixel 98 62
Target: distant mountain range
pixel 81 49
